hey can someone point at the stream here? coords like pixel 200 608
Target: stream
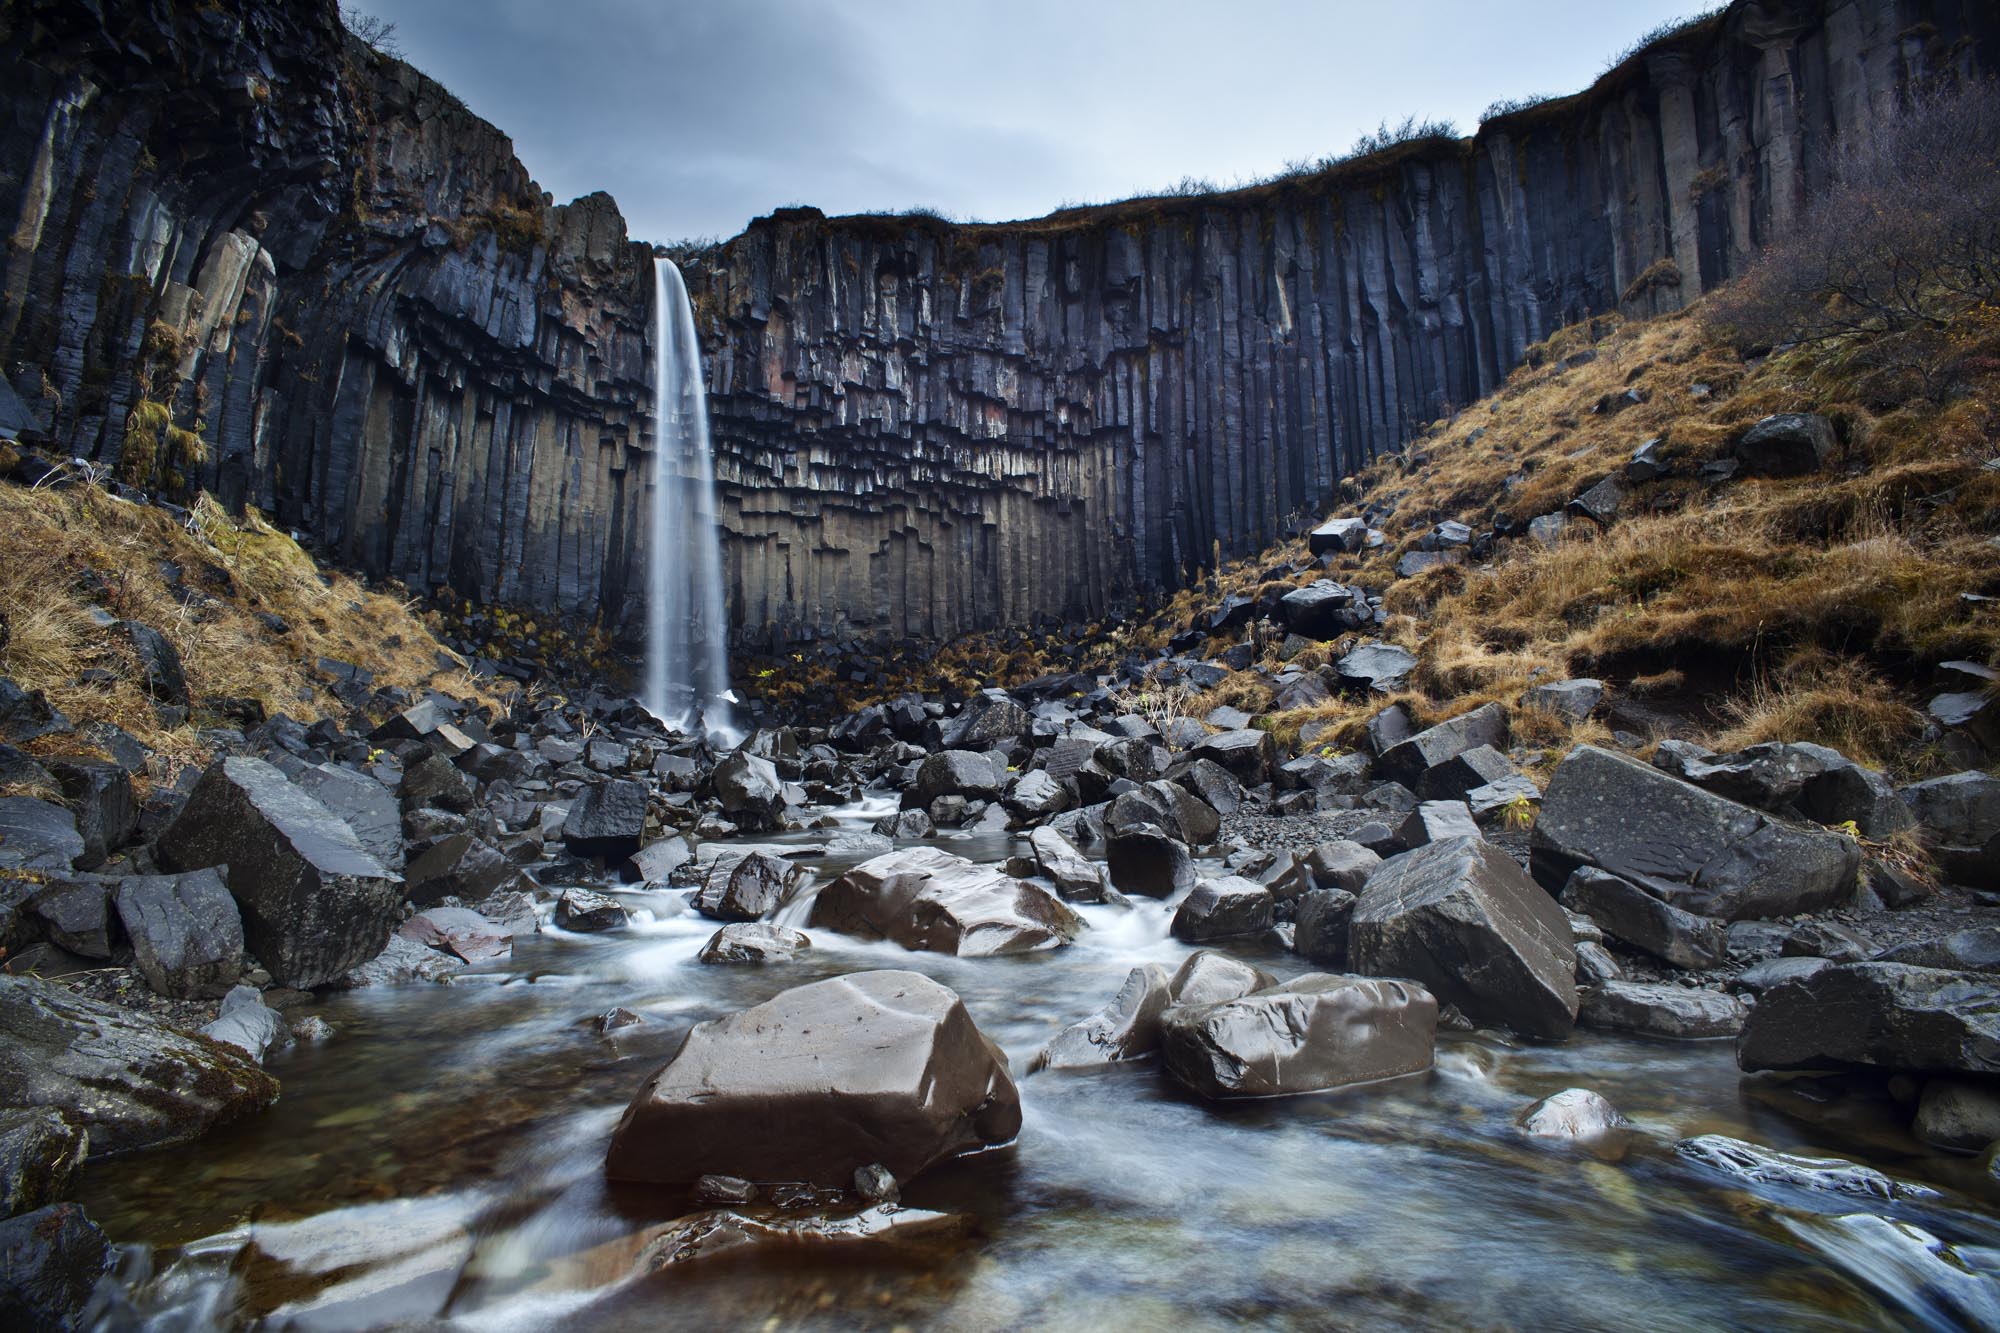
pixel 440 1161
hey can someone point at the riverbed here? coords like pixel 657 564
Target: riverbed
pixel 439 1162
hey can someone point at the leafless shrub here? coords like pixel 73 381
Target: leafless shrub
pixel 1899 248
pixel 378 33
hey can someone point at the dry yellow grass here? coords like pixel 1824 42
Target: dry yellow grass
pixel 70 557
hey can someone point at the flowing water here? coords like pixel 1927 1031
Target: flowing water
pixel 440 1160
pixel 687 626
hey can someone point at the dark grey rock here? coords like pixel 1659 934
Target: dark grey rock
pixel 586 912
pixel 1462 918
pixel 924 898
pixel 1632 916
pixel 1321 924
pixel 1789 444
pixel 608 821
pixel 314 903
pixel 1572 699
pixel 1219 909
pixel 40 1151
pixel 50 1261
pixel 126 1079
pixel 1573 1113
pixel 1767 1166
pixel 1887 1016
pixel 749 887
pixel 1406 761
pixel 99 795
pixel 1126 1029
pixel 1675 1013
pixel 37 835
pixel 818 1082
pixel 1696 850
pixel 1147 860
pixel 458 866
pixel 1076 878
pixel 160 672
pixel 248 1024
pixel 186 932
pixel 1381 667
pixel 753 942
pixel 365 804
pixel 1310 1034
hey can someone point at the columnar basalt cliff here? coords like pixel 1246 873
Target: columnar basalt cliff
pixel 233 222
pixel 342 280
pixel 932 428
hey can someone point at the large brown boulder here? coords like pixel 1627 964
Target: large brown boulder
pixel 1462 918
pixel 314 903
pixel 819 1081
pixel 1313 1033
pixel 925 898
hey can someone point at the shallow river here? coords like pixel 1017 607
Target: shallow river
pixel 439 1162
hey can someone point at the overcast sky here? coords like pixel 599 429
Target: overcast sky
pixel 698 116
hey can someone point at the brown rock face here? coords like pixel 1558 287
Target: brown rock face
pixel 819 1081
pixel 923 898
pixel 1310 1034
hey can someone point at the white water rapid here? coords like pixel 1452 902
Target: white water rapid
pixel 687 627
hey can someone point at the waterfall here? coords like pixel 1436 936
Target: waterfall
pixel 687 628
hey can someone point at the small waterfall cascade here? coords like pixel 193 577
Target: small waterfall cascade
pixel 687 626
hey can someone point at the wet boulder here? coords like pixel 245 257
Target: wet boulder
pixel 748 887
pixel 1886 1016
pixel 962 773
pixel 1573 1113
pixel 1126 1029
pixel 126 1079
pixel 1214 785
pixel 50 1261
pixel 1436 821
pixel 1208 977
pixel 1320 925
pixel 1316 1032
pixel 186 932
pixel 434 783
pixel 1462 918
pixel 1077 878
pixel 1036 795
pixel 1629 914
pixel 459 931
pixel 750 789
pixel 1974 949
pixel 991 718
pixel 585 912
pixel 608 821
pixel 926 898
pixel 1758 1165
pixel 1674 1013
pixel 1958 1115
pixel 403 962
pixel 1147 860
pixel 315 904
pixel 1699 851
pixel 248 1024
pixel 37 835
pixel 1221 909
pixel 753 942
pixel 818 1082
pixel 40 1150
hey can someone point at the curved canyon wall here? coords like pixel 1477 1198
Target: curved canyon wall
pixel 929 428
pixel 322 264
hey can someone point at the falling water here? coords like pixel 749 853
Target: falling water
pixel 687 658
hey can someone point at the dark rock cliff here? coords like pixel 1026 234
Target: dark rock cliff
pixel 341 279
pixel 319 263
pixel 927 428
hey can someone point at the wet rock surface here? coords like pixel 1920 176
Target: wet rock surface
pixel 1310 1034
pixel 127 1080
pixel 924 898
pixel 818 1082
